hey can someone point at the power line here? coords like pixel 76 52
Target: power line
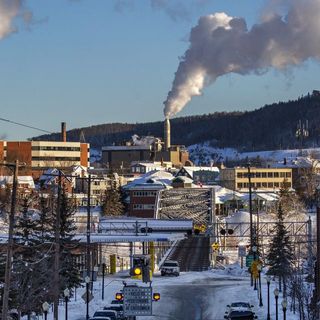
pixel 25 125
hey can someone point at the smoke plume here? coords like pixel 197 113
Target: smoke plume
pixel 9 11
pixel 221 44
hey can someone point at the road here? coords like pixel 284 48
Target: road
pixel 203 299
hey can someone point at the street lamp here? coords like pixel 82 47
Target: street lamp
pixel 268 284
pixel 276 295
pixel 66 294
pixel 260 291
pixel 87 281
pixel 45 308
pixel 284 308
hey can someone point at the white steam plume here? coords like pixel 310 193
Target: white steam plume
pixel 220 44
pixel 9 10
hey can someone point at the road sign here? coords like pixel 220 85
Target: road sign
pixel 137 301
pixel 215 246
pixel 242 251
pixel 90 297
pixel 249 260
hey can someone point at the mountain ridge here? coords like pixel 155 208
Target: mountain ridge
pixel 266 128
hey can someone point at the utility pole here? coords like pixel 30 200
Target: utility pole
pixel 88 273
pixel 7 277
pixel 56 280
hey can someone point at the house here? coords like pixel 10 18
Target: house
pixel 200 175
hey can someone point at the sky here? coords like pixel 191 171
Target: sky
pixel 89 62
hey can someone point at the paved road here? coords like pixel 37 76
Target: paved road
pixel 201 300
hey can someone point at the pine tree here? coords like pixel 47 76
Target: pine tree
pixel 29 277
pixel 69 273
pixel 280 257
pixel 112 203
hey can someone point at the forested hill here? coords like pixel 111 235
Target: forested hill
pixel 267 128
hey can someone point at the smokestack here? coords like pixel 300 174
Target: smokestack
pixel 167 142
pixel 63 132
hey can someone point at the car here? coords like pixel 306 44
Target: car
pixel 116 307
pixel 106 313
pixel 100 318
pixel 170 267
pixel 240 311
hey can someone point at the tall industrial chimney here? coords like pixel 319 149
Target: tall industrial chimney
pixel 63 132
pixel 167 142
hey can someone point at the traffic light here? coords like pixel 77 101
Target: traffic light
pixel 141 267
pixel 119 296
pixel 156 296
pixel 225 231
pixel 136 269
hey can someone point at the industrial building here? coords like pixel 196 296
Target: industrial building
pixel 269 179
pixel 145 149
pixel 41 155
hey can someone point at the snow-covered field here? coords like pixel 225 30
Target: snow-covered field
pixel 223 287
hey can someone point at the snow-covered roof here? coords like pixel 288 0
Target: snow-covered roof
pixel 155 177
pixel 122 148
pixel 21 180
pixel 297 162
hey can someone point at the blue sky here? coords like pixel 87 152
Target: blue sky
pixel 89 62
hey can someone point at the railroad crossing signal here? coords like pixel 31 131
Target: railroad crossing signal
pixel 215 246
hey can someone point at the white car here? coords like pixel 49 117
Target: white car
pixel 170 267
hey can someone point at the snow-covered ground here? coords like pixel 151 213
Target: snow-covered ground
pixel 204 153
pixel 221 287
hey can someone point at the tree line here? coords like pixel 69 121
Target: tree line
pixel 269 127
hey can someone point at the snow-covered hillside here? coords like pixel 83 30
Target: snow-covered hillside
pixel 205 154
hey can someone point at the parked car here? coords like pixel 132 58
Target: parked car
pixel 170 267
pixel 240 311
pixel 106 313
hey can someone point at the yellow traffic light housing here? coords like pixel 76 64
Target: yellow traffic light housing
pixel 156 296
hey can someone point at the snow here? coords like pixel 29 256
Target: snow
pixel 233 283
pixel 204 153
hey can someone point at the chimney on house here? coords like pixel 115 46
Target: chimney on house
pixel 63 132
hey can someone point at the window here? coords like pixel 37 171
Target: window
pixel 240 175
pixel 264 185
pixel 276 174
pixel 282 174
pixel 258 175
pixel 258 184
pixel 263 174
pixel 276 184
pixel 240 185
pixel 270 174
pixel 288 174
pixel 270 184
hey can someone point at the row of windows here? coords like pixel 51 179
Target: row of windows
pixel 54 148
pixel 46 158
pixel 144 193
pixel 138 169
pixel 143 206
pixel 268 174
pixel 262 185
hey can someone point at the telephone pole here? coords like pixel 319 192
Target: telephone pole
pixel 56 278
pixel 7 277
pixel 88 273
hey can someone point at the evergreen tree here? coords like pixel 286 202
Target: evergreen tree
pixel 280 257
pixel 29 277
pixel 69 272
pixel 112 203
